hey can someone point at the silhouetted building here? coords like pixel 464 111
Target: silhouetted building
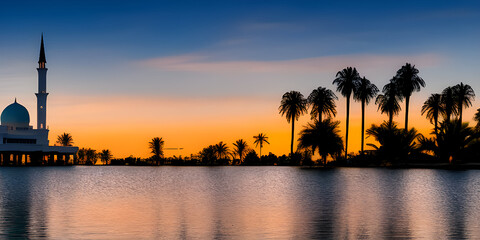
pixel 20 143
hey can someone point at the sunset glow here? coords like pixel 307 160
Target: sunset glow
pixel 193 88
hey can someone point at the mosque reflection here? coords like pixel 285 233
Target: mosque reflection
pixel 23 210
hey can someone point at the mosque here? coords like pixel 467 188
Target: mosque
pixel 20 143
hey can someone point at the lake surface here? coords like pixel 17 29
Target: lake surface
pixel 238 203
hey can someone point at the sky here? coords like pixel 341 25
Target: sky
pixel 199 72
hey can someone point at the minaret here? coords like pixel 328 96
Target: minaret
pixel 42 90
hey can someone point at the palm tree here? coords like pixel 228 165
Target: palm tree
pixel 221 149
pixel 105 156
pixel 259 140
pixel 364 93
pixel 477 118
pixel 322 101
pixel 293 105
pixel 80 158
pixel 388 101
pixel 156 145
pixel 208 155
pixel 91 156
pixel 65 140
pixel 323 136
pixel 240 149
pixel 452 140
pixel 433 108
pixel 408 81
pixel 448 103
pixel 395 144
pixel 347 81
pixel 463 95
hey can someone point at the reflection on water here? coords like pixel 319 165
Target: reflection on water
pixel 238 203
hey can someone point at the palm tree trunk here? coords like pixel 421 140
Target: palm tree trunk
pixel 319 116
pixel 346 132
pixel 460 111
pixel 260 151
pixel 390 119
pixel 324 157
pixel 293 130
pixel 436 125
pixel 407 101
pixel 363 123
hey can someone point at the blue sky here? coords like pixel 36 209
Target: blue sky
pixel 212 50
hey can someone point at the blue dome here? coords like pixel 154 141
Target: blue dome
pixel 16 115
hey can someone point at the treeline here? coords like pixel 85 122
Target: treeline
pixel 451 141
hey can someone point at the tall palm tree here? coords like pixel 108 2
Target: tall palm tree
pixel 347 81
pixel 448 103
pixel 65 139
pixel 105 156
pixel 221 149
pixel 240 149
pixel 388 101
pixel 408 81
pixel 293 105
pixel 322 101
pixel 323 136
pixel 463 95
pixel 156 147
pixel 365 92
pixel 433 108
pixel 260 139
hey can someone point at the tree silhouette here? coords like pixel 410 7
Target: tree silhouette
pixel 388 101
pixel 240 149
pixel 208 155
pixel 463 94
pixel 293 105
pixel 433 108
pixel 347 81
pixel 448 103
pixel 408 81
pixel 477 118
pixel 80 159
pixel 260 139
pixel 91 157
pixel 365 92
pixel 221 150
pixel 451 142
pixel 105 156
pixel 323 136
pixel 322 101
pixel 156 147
pixel 65 139
pixel 395 144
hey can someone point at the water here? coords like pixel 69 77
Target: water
pixel 238 203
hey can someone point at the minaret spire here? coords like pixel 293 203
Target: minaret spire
pixel 42 90
pixel 42 60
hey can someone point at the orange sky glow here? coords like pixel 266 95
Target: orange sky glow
pixel 125 125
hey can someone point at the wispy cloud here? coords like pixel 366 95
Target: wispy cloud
pixel 267 26
pixel 198 63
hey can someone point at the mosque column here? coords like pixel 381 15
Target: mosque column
pixel 51 160
pixel 6 159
